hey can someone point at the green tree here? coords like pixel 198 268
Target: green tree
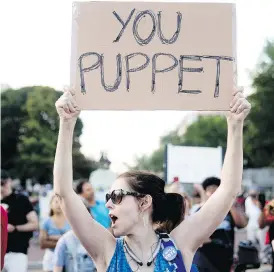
pixel 153 162
pixel 259 135
pixel 207 131
pixel 30 126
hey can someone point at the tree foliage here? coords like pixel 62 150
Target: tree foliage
pixel 208 131
pixel 259 136
pixel 30 127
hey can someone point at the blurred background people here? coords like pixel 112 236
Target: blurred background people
pixel 97 208
pixel 253 211
pixel 70 255
pixel 267 219
pixel 22 221
pixel 51 231
pixel 218 252
pixel 4 234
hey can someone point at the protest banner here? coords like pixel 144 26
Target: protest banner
pixel 153 55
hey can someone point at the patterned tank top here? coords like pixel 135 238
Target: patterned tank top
pixel 119 262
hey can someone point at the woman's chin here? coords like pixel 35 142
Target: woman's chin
pixel 118 232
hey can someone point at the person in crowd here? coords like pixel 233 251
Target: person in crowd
pixel 217 253
pixel 195 202
pixel 51 231
pixel 137 201
pixel 97 208
pixel 70 255
pixel 187 203
pixel 22 221
pixel 267 219
pixel 4 234
pixel 253 211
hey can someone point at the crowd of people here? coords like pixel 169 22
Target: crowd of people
pixel 143 225
pixel 64 251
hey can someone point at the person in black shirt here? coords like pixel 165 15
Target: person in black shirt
pixel 22 221
pixel 217 253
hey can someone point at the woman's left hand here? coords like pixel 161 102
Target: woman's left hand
pixel 239 107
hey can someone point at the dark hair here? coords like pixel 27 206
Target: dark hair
pixel 4 175
pixel 211 181
pixel 168 208
pixel 51 212
pixel 79 186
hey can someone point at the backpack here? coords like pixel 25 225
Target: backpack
pixel 78 258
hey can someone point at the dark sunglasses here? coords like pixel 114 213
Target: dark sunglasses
pixel 116 196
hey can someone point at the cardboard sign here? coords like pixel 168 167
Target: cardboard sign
pixel 153 56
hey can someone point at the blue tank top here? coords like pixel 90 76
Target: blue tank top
pixel 119 262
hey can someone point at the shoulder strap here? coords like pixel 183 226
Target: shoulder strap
pixel 72 246
pixel 172 254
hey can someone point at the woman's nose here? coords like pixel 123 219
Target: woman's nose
pixel 109 204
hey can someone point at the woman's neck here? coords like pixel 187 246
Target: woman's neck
pixel 58 216
pixel 143 243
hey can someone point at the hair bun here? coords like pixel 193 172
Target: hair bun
pixel 171 211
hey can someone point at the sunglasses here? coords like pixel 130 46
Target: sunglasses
pixel 117 196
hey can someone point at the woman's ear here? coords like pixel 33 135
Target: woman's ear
pixel 145 202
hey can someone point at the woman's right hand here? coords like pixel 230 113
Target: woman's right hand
pixel 66 105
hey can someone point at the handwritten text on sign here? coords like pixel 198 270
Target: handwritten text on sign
pixel 146 32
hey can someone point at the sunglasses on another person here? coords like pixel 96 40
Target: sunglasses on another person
pixel 117 196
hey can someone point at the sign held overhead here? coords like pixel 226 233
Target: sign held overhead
pixel 153 56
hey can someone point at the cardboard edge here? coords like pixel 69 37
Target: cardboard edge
pixel 74 44
pixel 234 45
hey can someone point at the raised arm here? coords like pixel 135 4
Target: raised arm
pixel 97 240
pixel 197 228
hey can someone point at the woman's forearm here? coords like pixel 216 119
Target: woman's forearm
pixel 233 163
pixel 48 244
pixel 63 174
pixel 30 226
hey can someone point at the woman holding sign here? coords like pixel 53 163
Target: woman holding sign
pixel 137 203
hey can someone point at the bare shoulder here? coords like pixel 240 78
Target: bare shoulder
pixel 180 235
pixel 183 244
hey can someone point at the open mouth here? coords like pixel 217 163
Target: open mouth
pixel 113 218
